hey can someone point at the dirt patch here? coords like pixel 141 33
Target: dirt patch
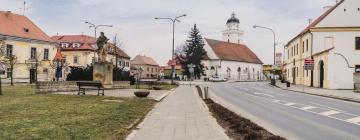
pixel 237 127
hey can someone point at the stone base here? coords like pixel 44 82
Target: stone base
pixel 103 72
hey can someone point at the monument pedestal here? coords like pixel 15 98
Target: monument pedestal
pixel 103 72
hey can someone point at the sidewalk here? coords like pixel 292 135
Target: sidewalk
pixel 348 95
pixel 180 116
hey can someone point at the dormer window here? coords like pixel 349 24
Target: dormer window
pixel 64 45
pixel 76 45
pixel 26 30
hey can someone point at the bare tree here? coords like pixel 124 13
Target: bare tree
pixel 8 59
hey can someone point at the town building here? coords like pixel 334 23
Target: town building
pixel 149 67
pixel 231 58
pixel 79 51
pixel 165 71
pixel 333 42
pixel 32 49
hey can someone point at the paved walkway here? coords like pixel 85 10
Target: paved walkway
pixel 339 94
pixel 180 116
pixel 154 94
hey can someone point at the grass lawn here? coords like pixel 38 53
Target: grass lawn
pixel 26 115
pixel 163 86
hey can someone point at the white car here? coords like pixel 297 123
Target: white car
pixel 217 79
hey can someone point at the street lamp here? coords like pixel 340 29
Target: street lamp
pixel 256 26
pixel 173 20
pixel 95 28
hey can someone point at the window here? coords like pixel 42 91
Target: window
pixel 303 47
pixel 297 72
pixel 152 69
pixel 297 49
pixel 357 68
pixel 9 50
pixel 8 73
pixel 33 53
pixel 76 59
pixel 76 45
pixel 288 53
pixel 148 69
pixel 357 42
pixel 64 45
pixel 127 64
pixel 307 45
pixel 307 73
pixel 64 56
pixel 46 54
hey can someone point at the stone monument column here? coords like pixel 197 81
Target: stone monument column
pixel 103 70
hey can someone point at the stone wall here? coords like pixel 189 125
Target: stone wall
pixel 48 87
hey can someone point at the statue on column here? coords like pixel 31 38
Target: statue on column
pixel 101 43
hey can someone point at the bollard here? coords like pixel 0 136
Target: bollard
pixel 206 93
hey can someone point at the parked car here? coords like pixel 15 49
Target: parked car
pixel 217 79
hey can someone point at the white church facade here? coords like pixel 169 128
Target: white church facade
pixel 231 58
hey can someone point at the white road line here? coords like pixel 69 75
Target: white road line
pixel 327 107
pixel 307 107
pixel 276 101
pixel 290 104
pixel 257 93
pixel 328 113
pixel 354 120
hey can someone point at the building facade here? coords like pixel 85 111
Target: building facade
pixel 150 68
pixel 79 51
pixel 32 50
pixel 230 58
pixel 333 42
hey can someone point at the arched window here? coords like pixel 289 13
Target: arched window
pixel 239 69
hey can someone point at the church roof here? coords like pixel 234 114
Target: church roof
pixel 232 51
pixel 233 19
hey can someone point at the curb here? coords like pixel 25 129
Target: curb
pixel 327 96
pixel 158 99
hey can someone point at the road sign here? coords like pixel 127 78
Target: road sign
pixel 309 64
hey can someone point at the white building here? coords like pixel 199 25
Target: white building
pixel 333 41
pixel 231 58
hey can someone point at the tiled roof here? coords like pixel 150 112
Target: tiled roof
pixel 233 52
pixel 58 55
pixel 20 26
pixel 86 43
pixel 318 20
pixel 143 60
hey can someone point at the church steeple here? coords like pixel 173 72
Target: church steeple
pixel 232 33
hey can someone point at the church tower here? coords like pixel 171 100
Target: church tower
pixel 232 33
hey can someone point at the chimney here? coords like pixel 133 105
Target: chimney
pixel 7 13
pixel 327 8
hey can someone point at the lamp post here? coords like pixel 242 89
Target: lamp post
pixel 256 26
pixel 173 20
pixel 95 28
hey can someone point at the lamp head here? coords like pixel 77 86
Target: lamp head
pixel 156 18
pixel 255 26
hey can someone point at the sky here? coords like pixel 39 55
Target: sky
pixel 134 24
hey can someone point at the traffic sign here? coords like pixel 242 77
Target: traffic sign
pixel 309 64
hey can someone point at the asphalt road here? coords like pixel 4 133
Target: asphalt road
pixel 293 115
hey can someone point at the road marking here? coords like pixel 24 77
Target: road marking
pixel 354 120
pixel 290 104
pixel 257 93
pixel 327 107
pixel 307 107
pixel 328 113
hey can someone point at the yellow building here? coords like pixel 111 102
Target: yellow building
pixel 31 47
pixel 333 42
pixel 79 51
pixel 150 68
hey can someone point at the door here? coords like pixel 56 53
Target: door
pixel 32 76
pixel 321 74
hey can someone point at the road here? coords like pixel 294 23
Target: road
pixel 291 114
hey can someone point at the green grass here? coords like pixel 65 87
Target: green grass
pixel 163 86
pixel 26 115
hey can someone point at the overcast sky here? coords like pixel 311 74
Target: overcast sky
pixel 134 22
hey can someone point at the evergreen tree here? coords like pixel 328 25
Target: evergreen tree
pixel 193 52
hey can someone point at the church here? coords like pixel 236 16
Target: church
pixel 230 58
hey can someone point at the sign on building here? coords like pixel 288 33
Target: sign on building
pixel 278 58
pixel 309 64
